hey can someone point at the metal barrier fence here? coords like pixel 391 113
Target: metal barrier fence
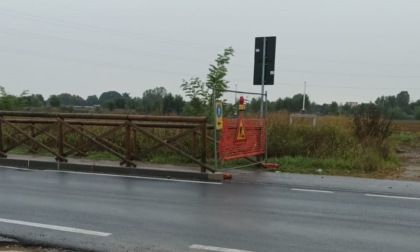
pixel 239 136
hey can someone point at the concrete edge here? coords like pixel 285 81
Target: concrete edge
pixel 92 168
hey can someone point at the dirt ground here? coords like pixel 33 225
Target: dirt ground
pixel 18 248
pixel 411 165
pixel 21 249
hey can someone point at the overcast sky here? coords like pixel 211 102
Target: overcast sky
pixel 346 50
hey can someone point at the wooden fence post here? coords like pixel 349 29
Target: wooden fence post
pixel 60 140
pixel 203 145
pixel 2 138
pixel 127 143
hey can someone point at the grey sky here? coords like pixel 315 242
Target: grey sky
pixel 346 50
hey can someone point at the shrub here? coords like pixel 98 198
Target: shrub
pixel 372 131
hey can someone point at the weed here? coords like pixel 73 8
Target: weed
pixel 167 159
pixel 102 155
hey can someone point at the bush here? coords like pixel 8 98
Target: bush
pixel 374 132
pixel 368 160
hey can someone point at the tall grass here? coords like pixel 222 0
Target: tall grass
pixel 337 144
pixel 330 137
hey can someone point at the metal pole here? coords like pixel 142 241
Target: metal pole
pixel 304 97
pixel 262 78
pixel 2 154
pixel 235 109
pixel 214 129
pixel 266 127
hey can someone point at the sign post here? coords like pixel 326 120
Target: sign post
pixel 262 78
pixel 265 53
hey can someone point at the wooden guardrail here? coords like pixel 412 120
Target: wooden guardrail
pixel 118 134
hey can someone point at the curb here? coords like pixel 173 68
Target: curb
pixel 114 170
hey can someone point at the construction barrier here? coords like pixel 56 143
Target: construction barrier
pixel 242 137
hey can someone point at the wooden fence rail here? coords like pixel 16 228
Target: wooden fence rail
pixel 117 134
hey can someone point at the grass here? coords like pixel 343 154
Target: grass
pixel 407 140
pixel 336 166
pixel 24 151
pixel 102 155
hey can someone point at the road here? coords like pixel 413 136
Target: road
pixel 112 213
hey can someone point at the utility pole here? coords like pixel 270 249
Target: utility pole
pixel 304 98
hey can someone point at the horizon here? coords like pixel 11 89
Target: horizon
pixel 340 103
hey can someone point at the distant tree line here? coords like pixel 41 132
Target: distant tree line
pixel 155 101
pixel 158 101
pixel 391 107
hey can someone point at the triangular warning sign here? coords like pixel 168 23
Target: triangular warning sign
pixel 240 134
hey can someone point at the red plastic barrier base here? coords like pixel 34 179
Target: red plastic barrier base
pixel 270 166
pixel 227 176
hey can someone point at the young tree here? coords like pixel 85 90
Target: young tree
pixel 217 73
pixel 203 91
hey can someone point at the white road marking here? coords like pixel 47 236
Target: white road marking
pixel 120 176
pixel 217 249
pixel 53 227
pixel 311 190
pixel 391 197
pixel 140 177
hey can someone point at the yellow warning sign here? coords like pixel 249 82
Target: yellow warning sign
pixel 240 135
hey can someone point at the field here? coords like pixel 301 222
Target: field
pixel 409 126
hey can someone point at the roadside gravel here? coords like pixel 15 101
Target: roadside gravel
pixel 11 245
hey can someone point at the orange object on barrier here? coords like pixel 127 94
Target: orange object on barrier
pixel 241 137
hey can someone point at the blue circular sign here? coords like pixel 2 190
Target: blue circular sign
pixel 219 110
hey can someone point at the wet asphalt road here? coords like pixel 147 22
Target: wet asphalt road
pixel 136 214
